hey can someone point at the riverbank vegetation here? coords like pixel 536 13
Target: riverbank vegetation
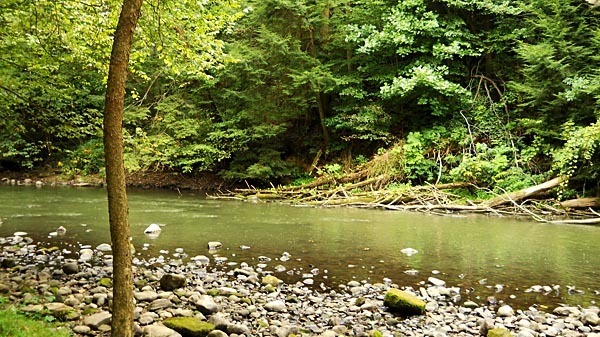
pixel 479 98
pixel 15 324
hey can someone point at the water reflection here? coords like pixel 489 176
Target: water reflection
pixel 486 256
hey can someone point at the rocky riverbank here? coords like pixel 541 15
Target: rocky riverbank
pixel 248 300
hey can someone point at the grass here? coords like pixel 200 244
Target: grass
pixel 13 324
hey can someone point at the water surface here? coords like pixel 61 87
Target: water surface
pixel 477 253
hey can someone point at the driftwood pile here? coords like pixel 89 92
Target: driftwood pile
pixel 358 190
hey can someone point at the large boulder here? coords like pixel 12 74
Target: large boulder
pixel 189 326
pixel 172 281
pixel 403 303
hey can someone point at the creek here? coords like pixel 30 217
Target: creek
pixel 506 258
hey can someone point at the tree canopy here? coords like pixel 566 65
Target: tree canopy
pixel 495 93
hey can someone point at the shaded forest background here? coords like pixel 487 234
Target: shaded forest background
pixel 500 94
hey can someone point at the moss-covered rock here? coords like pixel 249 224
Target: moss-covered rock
pixel 376 333
pixel 403 303
pixel 212 292
pixel 270 279
pixel 105 282
pixel 499 332
pixel 189 326
pixel 269 288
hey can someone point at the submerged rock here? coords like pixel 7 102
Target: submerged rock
pixel 214 245
pixel 409 251
pixel 403 303
pixel 152 229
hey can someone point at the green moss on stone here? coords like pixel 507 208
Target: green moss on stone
pixel 499 332
pixel 89 311
pixel 140 283
pixel 51 249
pixel 106 282
pixel 189 326
pixel 403 303
pixel 270 280
pixel 376 333
pixel 212 292
pixel 269 289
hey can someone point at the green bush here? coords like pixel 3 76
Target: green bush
pixel 87 159
pixel 484 168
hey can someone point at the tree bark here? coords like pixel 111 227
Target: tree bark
pixel 581 203
pixel 122 307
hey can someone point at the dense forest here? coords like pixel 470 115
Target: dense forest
pixel 499 94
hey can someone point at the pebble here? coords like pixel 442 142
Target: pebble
pixel 237 303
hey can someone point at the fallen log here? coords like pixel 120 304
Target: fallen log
pixel 329 180
pixel 591 221
pixel 524 193
pixel 581 203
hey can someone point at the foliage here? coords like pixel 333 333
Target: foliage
pixel 578 159
pixel 417 160
pixel 87 159
pixel 55 57
pixel 13 324
pixel 490 167
pixel 485 91
pixel 559 79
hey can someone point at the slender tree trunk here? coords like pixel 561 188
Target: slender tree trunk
pixel 122 308
pixel 319 96
pixel 322 106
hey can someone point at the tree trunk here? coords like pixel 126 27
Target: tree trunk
pixel 122 308
pixel 524 193
pixel 581 203
pixel 322 106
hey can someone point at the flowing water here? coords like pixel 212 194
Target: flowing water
pixel 483 255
